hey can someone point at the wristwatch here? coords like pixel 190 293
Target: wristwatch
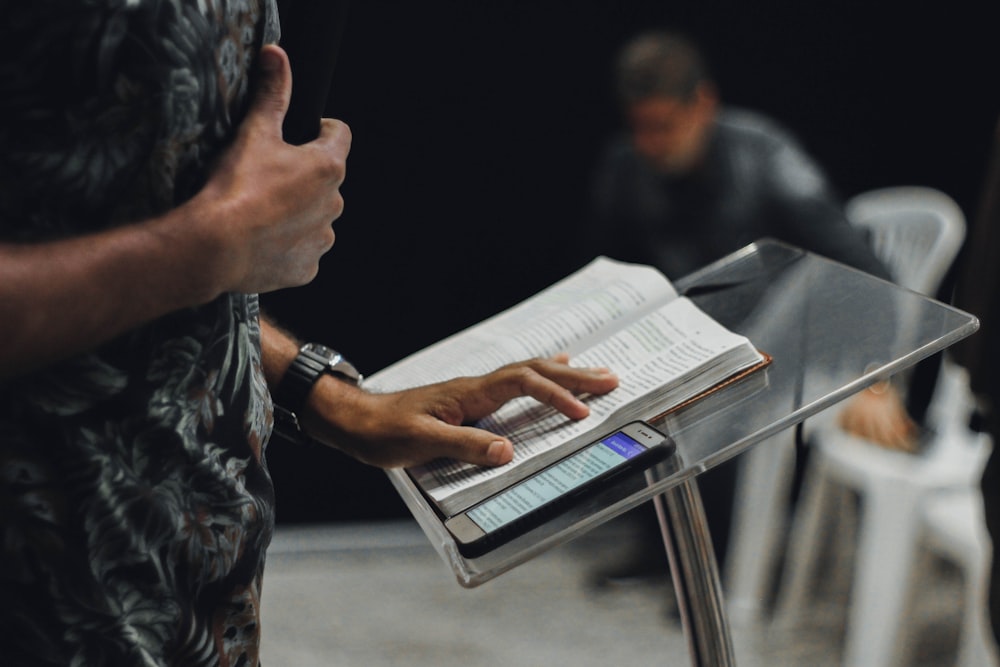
pixel 312 361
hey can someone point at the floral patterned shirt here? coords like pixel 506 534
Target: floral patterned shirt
pixel 135 503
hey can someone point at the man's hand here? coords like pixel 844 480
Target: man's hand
pixel 268 207
pixel 411 427
pixel 878 414
pixel 260 223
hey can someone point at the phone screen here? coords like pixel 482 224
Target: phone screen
pixel 555 481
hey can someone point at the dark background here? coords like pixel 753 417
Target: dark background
pixel 476 125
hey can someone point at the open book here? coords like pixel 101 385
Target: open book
pixel 627 317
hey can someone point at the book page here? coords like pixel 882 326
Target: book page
pixel 566 317
pixel 670 355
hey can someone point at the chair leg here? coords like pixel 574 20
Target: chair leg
pixel 977 646
pixel 758 527
pixel 886 547
pixel 805 544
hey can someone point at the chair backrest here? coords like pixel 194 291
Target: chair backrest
pixel 916 231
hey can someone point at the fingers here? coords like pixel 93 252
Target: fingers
pixel 596 380
pixel 555 383
pixel 336 133
pixel 880 419
pixel 462 400
pixel 544 390
pixel 551 382
pixel 274 90
pixel 334 141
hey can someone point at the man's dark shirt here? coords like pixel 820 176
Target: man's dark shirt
pixel 135 504
pixel 755 182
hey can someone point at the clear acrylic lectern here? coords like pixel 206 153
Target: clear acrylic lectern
pixel 831 331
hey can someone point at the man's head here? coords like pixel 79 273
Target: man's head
pixel 668 99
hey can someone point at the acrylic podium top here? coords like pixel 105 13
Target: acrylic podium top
pixel 831 330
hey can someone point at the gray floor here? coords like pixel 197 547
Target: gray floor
pixel 377 594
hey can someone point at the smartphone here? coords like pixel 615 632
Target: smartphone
pixel 554 489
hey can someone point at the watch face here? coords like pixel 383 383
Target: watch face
pixel 322 351
pixel 335 362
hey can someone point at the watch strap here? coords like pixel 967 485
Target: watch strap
pixel 312 361
pixel 298 380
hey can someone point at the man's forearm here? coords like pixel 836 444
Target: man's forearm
pixel 65 297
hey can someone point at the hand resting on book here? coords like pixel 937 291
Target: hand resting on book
pixel 414 426
pixel 664 350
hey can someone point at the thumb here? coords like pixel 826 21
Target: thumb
pixel 474 445
pixel 274 87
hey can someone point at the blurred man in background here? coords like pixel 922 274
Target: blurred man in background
pixel 691 180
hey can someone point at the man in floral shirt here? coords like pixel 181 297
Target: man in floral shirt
pixel 146 197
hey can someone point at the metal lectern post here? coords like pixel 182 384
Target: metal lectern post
pixel 695 575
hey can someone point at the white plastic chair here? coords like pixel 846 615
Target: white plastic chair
pixel 917 232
